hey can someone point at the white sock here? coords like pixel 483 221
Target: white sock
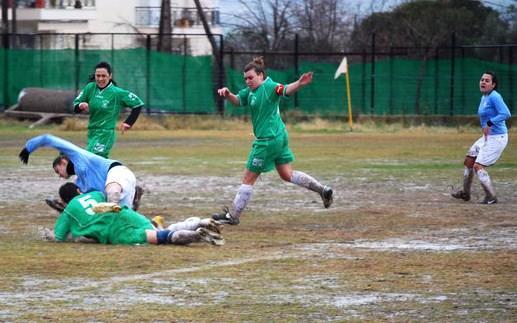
pixel 241 199
pixel 307 181
pixel 189 224
pixel 484 178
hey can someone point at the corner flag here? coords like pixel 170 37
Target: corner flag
pixel 343 69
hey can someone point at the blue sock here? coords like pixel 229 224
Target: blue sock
pixel 163 236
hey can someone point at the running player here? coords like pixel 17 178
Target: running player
pixel 94 173
pixel 104 101
pixel 270 148
pixel 124 226
pixel 485 152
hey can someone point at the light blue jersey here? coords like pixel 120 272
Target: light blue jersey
pixel 91 170
pixel 493 108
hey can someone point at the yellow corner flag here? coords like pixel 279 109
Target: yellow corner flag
pixel 343 69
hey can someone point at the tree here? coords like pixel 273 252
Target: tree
pixel 165 28
pixel 263 25
pixel 426 25
pixel 321 25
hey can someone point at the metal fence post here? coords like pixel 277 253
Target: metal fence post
pixel 510 80
pixel 296 67
pixel 391 80
pixel 5 43
pixel 222 76
pixel 148 73
pixel 76 62
pixel 184 75
pixel 436 77
pixel 363 80
pixel 372 77
pixel 451 93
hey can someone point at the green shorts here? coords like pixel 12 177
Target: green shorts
pixel 265 154
pixel 129 227
pixel 100 141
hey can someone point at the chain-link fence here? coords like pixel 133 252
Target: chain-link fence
pixel 384 81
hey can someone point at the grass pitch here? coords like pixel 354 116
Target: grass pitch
pixel 394 246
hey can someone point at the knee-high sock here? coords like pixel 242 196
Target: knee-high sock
pixel 468 175
pixel 189 224
pixel 486 183
pixel 241 199
pixel 307 181
pixel 184 237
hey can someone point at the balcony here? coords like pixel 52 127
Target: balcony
pixel 58 10
pixel 181 17
pixel 56 4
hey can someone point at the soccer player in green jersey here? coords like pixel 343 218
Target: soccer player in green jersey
pixel 270 148
pixel 104 101
pixel 123 225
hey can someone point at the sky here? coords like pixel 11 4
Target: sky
pixel 228 7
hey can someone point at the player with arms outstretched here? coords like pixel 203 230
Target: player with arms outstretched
pixel 270 148
pixel 94 173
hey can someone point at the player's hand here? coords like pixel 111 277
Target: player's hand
pixel 306 78
pixel 84 107
pixel 24 155
pixel 124 127
pixel 486 132
pixel 224 92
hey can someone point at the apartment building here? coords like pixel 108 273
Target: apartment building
pixel 113 17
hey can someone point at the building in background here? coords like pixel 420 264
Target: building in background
pixel 135 17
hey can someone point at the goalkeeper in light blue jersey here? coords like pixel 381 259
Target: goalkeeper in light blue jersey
pixel 94 173
pixel 485 152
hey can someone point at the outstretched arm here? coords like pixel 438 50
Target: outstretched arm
pixel 305 79
pixel 227 94
pixel 47 140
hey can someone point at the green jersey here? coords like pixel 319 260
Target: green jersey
pixel 105 105
pixel 265 112
pixel 78 218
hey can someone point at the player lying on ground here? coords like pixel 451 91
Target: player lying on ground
pixel 124 225
pixel 270 148
pixel 94 173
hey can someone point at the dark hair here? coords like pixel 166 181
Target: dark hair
pixel 58 160
pixel 104 65
pixel 68 191
pixel 494 78
pixel 257 64
pixel 70 168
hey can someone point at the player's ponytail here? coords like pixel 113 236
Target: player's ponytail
pixel 257 64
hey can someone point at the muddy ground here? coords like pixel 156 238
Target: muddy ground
pixel 393 247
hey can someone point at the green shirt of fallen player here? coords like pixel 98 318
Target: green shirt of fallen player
pixel 104 101
pixel 270 148
pixel 123 227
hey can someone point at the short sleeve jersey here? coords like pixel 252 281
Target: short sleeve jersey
pixel 79 219
pixel 265 112
pixel 105 105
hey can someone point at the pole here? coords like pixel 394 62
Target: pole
pixel 451 84
pixel 349 97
